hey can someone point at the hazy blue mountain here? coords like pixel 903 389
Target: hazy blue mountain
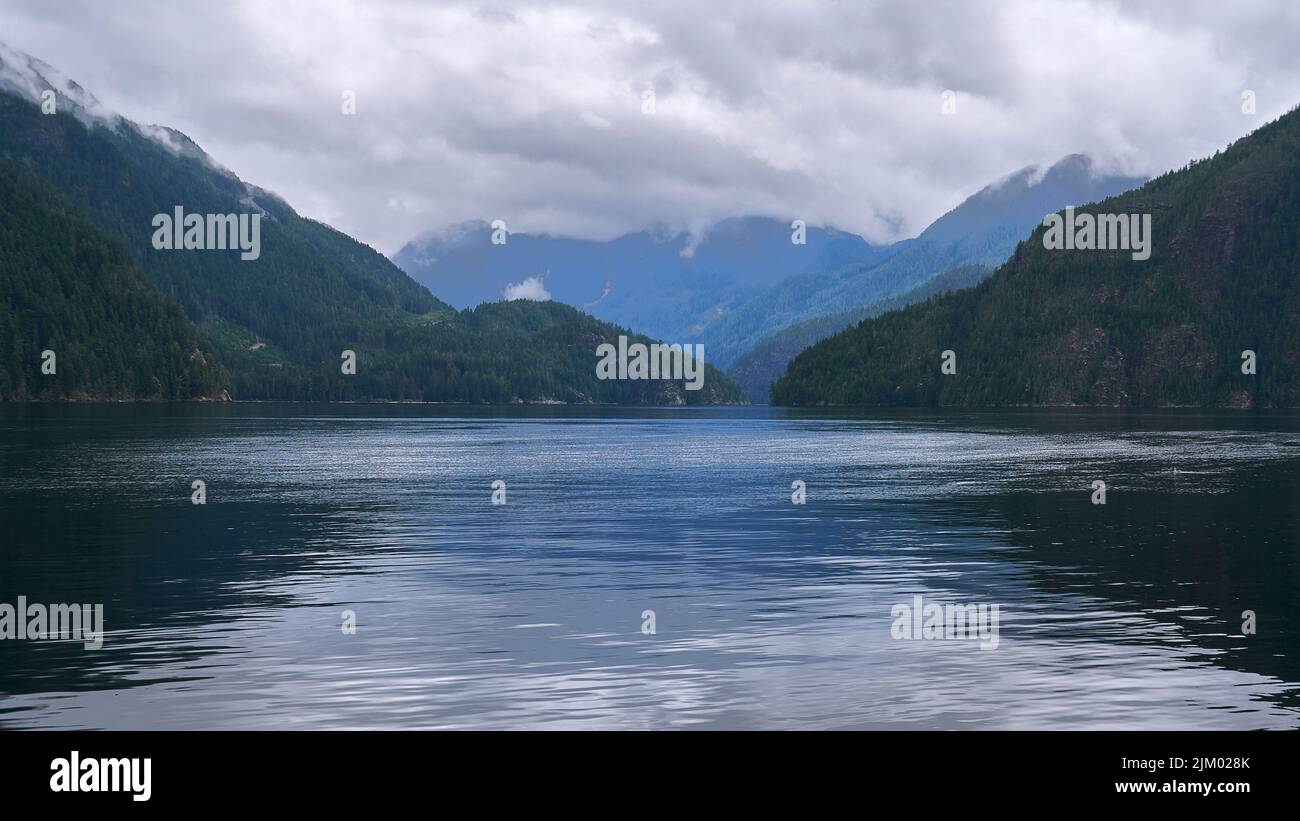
pixel 757 368
pixel 670 286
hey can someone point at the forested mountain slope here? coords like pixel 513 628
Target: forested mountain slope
pixel 67 288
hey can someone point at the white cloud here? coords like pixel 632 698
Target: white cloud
pixel 531 112
pixel 532 288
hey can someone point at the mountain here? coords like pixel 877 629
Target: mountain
pixel 670 285
pixel 982 231
pixel 278 324
pixel 1098 327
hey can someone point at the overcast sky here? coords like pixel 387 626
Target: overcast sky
pixel 533 112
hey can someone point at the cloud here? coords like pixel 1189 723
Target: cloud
pixel 531 288
pixel 532 112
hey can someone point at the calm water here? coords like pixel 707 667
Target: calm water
pixel 767 614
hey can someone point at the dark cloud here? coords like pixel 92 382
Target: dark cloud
pixel 532 112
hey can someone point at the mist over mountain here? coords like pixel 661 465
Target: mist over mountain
pixel 1218 292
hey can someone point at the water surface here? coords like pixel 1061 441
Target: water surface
pixel 767 614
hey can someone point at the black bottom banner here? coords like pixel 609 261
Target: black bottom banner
pixel 141 771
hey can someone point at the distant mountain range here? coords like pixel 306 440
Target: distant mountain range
pixel 1219 295
pixel 79 189
pixel 743 288
pixel 670 285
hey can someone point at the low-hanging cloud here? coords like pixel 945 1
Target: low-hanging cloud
pixel 534 113
pixel 532 288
